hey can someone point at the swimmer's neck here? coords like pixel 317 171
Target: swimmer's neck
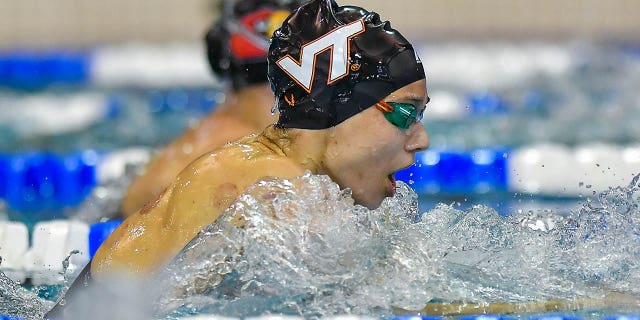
pixel 307 148
pixel 252 105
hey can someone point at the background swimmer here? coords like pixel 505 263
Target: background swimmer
pixel 326 126
pixel 237 51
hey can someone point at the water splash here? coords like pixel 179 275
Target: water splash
pixel 306 249
pixel 303 247
pixel 16 301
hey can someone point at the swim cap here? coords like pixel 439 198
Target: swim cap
pixel 328 63
pixel 237 44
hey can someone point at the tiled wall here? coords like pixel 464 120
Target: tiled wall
pixel 65 22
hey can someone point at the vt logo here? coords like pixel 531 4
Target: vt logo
pixel 337 41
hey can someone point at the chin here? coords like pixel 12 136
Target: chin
pixel 370 204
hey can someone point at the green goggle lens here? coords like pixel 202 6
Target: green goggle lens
pixel 403 115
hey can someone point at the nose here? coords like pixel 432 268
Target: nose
pixel 417 139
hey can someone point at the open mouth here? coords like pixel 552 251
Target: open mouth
pixel 392 185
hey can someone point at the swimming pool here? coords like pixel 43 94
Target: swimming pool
pixel 542 103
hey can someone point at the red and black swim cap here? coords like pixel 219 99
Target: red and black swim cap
pixel 328 63
pixel 238 43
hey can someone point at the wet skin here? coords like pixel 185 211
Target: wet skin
pixel 361 153
pixel 245 111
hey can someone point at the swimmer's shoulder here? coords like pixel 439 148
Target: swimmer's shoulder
pixel 209 185
pixel 265 156
pixel 243 162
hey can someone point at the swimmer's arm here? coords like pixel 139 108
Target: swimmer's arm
pixel 205 189
pixel 151 237
pixel 213 132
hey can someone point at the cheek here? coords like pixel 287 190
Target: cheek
pixel 367 148
pixel 388 147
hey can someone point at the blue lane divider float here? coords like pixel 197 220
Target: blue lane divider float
pixel 180 100
pixel 40 182
pixel 485 103
pixel 124 65
pixel 450 172
pixel 4 174
pixel 169 66
pixel 37 181
pixel 100 232
pixel 149 66
pixel 38 70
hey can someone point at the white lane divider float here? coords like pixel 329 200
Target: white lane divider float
pixel 144 65
pixel 14 243
pixel 48 114
pixel 53 243
pixel 58 247
pixel 556 170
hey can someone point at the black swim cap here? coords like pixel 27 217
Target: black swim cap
pixel 238 43
pixel 328 63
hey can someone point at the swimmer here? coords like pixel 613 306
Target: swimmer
pixel 350 90
pixel 237 48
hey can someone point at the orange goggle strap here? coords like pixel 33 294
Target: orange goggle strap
pixel 384 106
pixel 401 115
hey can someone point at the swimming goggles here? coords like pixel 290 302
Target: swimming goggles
pixel 401 115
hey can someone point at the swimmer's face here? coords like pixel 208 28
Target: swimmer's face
pixel 365 151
